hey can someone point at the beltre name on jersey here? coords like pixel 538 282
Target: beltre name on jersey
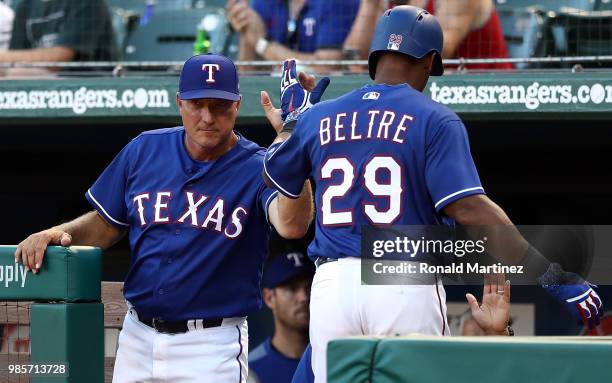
pixel 382 125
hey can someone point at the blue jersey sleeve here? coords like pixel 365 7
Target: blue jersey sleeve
pixel 107 194
pixel 336 19
pixel 449 169
pixel 287 164
pixel 303 372
pixel 266 195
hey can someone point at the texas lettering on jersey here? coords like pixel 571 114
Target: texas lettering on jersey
pixel 199 211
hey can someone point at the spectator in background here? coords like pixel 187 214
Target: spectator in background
pixel 6 24
pixel 304 29
pixel 287 278
pixel 60 30
pixel 471 29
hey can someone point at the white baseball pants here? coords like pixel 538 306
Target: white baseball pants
pixel 217 354
pixel 340 306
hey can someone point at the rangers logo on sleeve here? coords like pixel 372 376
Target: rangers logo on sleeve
pixel 394 42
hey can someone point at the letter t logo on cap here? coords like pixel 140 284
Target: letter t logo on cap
pixel 210 68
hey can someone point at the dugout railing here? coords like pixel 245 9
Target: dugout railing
pixel 65 318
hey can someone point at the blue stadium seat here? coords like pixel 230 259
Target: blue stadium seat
pixel 524 30
pixel 169 35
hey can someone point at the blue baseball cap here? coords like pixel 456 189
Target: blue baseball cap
pixel 209 76
pixel 285 266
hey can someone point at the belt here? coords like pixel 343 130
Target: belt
pixel 323 260
pixel 179 327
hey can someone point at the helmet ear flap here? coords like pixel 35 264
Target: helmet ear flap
pixel 437 69
pixel 372 62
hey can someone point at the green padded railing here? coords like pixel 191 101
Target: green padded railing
pixel 469 360
pixel 70 331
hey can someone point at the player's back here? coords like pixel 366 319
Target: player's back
pixel 383 155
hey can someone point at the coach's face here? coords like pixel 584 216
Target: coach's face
pixel 208 125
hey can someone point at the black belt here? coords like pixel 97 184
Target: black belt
pixel 179 327
pixel 323 260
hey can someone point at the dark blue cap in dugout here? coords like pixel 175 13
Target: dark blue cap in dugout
pixel 285 266
pixel 209 76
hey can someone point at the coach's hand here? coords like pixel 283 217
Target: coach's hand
pixel 494 312
pixel 31 250
pixel 574 293
pixel 272 114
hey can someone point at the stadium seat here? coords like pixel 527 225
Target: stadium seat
pixel 523 29
pixel 579 33
pixel 550 5
pixel 604 5
pixel 169 35
pixel 132 5
pixel 138 6
pixel 124 23
pixel 209 3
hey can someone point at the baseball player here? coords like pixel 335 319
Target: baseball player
pixel 287 279
pixel 385 154
pixel 197 213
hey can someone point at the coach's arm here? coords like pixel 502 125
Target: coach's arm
pixel 291 217
pixel 89 229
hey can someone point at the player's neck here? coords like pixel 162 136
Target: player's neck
pixel 289 342
pixel 398 69
pixel 392 79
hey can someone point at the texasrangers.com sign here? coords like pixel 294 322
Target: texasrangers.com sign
pixel 83 99
pixel 530 96
pixel 502 93
pixel 534 94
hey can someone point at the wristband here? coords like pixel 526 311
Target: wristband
pixel 288 127
pixel 261 46
pixel 534 262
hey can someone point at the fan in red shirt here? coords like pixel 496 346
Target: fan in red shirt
pixel 472 28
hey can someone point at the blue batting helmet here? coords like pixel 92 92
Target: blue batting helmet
pixel 408 30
